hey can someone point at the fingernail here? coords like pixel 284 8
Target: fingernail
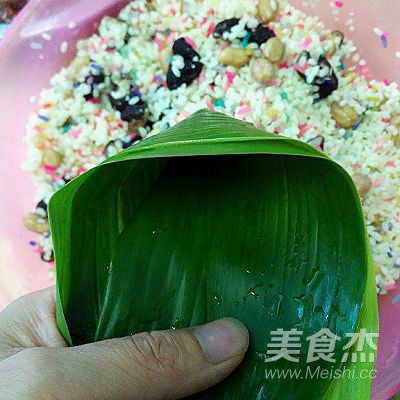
pixel 222 339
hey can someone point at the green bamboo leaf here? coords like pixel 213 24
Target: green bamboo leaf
pixel 215 218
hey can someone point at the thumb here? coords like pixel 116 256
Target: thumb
pixel 168 364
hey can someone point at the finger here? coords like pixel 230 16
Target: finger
pixel 148 366
pixel 29 322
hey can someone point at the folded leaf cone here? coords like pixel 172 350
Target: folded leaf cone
pixel 215 218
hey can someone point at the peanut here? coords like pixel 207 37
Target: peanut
pixel 36 223
pixel 52 158
pixel 234 56
pixel 395 121
pixel 363 184
pixel 349 76
pixel 274 50
pixel 262 70
pixel 267 10
pixel 164 55
pixel 345 116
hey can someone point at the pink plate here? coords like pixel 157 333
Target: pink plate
pixel 27 61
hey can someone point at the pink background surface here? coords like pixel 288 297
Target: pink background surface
pixel 24 71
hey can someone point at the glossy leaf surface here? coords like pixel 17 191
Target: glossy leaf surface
pixel 217 218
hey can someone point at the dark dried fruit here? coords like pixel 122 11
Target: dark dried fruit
pixel 113 147
pixel 118 104
pixel 318 142
pixel 41 207
pixel 95 77
pixel 325 83
pixel 184 49
pixel 261 34
pixel 133 111
pixel 225 26
pixel 128 111
pixel 189 73
pixel 192 67
pixel 47 256
pixel 134 139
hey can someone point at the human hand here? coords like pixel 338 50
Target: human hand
pixel 35 362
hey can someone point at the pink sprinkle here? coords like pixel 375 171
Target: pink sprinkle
pixel 306 43
pixel 362 70
pixel 283 65
pixel 48 169
pixel 339 4
pixel 75 133
pixel 245 110
pixel 209 103
pixel 379 145
pixel 81 170
pixel 277 130
pixel 385 120
pixel 391 287
pixel 97 113
pixel 378 182
pixel 105 40
pixel 158 43
pixel 154 79
pixel 171 37
pixel 203 21
pixel 210 29
pixel 303 129
pixel 231 77
pixel 115 68
pixel 120 123
pixel 202 76
pixel 390 163
pixel 94 101
pixel 190 42
pixel 274 82
pixel 386 82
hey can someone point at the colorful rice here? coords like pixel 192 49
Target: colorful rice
pixel 78 124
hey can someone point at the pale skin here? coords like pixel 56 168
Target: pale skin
pixel 35 362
